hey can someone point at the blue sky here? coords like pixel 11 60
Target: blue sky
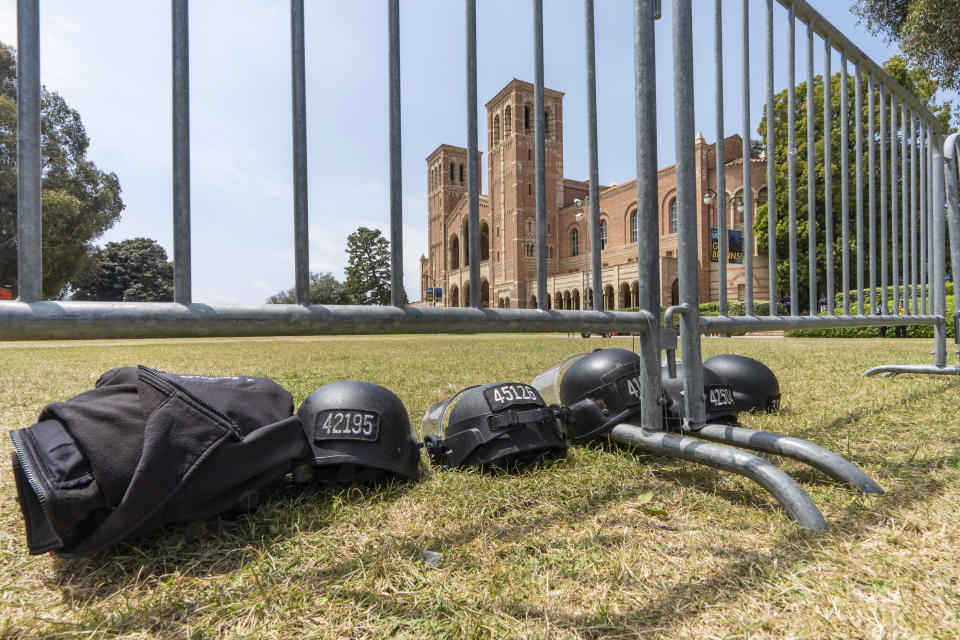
pixel 110 59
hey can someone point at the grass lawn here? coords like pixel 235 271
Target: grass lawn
pixel 603 544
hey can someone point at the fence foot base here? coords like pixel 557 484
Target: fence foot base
pixel 781 486
pixel 830 463
pixel 887 370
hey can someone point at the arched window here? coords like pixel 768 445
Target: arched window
pixel 496 129
pixel 603 234
pixel 546 122
pixel 454 253
pixel 526 117
pixel 452 178
pixel 507 121
pixel 673 216
pixel 633 227
pixel 575 243
pixel 735 203
pixel 461 174
pixel 484 242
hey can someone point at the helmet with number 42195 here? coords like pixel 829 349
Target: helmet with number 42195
pixel 358 432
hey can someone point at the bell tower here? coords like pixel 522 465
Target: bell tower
pixel 511 170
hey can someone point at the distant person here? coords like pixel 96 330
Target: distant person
pixel 881 331
pixel 900 331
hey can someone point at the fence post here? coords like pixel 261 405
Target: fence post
pixel 684 132
pixel 29 219
pixel 648 236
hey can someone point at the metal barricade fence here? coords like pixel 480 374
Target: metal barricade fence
pixel 908 147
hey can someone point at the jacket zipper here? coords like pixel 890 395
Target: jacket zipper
pixel 26 464
pixel 200 401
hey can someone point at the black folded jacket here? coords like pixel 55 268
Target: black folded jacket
pixel 146 448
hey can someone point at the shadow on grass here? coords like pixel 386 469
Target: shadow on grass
pixel 688 599
pixel 215 546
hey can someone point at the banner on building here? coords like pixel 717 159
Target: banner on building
pixel 428 297
pixel 734 245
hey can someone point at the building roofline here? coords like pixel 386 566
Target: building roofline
pixel 445 147
pixel 526 85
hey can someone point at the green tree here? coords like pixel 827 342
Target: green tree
pixel 914 80
pixel 368 267
pixel 925 30
pixel 135 270
pixel 79 201
pixel 324 289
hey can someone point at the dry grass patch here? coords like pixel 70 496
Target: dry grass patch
pixel 603 544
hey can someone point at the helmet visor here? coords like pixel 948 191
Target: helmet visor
pixel 548 382
pixel 432 423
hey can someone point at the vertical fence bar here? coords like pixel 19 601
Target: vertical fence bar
pixel 540 153
pixel 473 170
pixel 914 294
pixel 596 266
pixel 904 208
pixel 771 171
pixel 792 153
pixel 648 243
pixel 894 218
pixel 845 183
pixel 811 181
pixel 396 182
pixel 29 217
pixel 182 293
pixel 953 217
pixel 924 257
pixel 882 150
pixel 747 165
pixel 931 142
pixel 720 205
pixel 301 245
pixel 684 131
pixel 938 281
pixel 828 171
pixel 858 132
pixel 872 191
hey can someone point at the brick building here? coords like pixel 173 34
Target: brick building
pixel 508 218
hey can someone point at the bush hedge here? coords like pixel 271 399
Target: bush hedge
pixel 866 295
pixel 871 332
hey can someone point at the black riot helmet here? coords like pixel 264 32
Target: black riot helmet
pixel 718 404
pixel 497 425
pixel 358 432
pixel 755 387
pixel 599 390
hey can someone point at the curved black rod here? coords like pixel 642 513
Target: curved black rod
pixel 832 464
pixel 787 492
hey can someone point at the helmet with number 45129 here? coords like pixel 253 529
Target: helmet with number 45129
pixel 498 425
pixel 358 432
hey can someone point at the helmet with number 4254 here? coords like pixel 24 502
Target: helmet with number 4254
pixel 755 386
pixel 358 432
pixel 498 425
pixel 718 398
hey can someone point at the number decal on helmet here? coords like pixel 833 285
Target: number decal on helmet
pixel 346 424
pixel 506 395
pixel 630 389
pixel 720 397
